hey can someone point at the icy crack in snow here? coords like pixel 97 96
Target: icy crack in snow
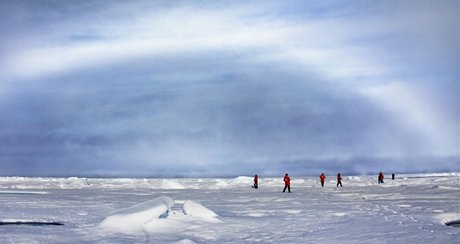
pixel 24 192
pixel 30 222
pixel 455 223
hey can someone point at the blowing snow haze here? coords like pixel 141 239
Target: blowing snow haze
pixel 204 88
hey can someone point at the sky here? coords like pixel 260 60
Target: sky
pixel 226 88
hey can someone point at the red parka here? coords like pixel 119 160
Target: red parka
pixel 322 177
pixel 287 180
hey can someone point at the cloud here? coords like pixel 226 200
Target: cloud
pixel 212 89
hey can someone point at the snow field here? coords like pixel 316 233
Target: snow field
pixel 411 209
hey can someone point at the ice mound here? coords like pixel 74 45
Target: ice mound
pixel 185 241
pixel 133 218
pixel 195 209
pixel 171 184
pixel 242 180
pixel 235 182
pixel 159 215
pixel 220 184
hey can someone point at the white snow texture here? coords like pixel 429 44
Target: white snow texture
pixel 410 209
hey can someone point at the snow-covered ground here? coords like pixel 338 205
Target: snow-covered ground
pixel 410 209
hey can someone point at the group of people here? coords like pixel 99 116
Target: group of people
pixel 322 178
pixel 287 182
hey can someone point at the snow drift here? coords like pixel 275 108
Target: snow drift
pixel 172 185
pixel 157 215
pixel 133 218
pixel 195 209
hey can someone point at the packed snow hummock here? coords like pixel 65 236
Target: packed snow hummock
pixel 194 209
pixel 133 218
pixel 410 209
pixel 171 184
pixel 157 215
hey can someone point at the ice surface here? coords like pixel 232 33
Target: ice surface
pixel 133 218
pixel 410 209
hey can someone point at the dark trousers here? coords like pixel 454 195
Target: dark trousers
pixel 287 187
pixel 339 183
pixel 322 183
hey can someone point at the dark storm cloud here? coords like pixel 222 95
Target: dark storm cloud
pixel 169 89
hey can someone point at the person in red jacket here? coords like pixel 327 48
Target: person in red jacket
pixel 322 177
pixel 256 181
pixel 381 177
pixel 287 183
pixel 339 180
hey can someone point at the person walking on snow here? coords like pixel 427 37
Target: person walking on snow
pixel 339 180
pixel 287 183
pixel 256 181
pixel 322 177
pixel 381 177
